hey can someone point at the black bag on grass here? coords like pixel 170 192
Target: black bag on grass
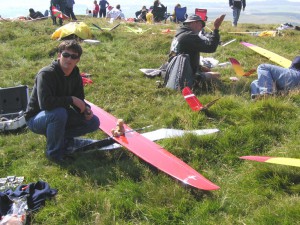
pixel 179 73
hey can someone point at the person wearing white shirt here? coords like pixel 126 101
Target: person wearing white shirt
pixel 116 13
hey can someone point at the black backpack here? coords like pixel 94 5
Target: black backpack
pixel 179 73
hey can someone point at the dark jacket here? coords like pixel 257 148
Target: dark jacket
pixel 159 12
pixel 238 3
pixel 187 42
pixel 59 4
pixel 296 63
pixel 141 14
pixel 55 2
pixel 103 4
pixel 36 14
pixel 52 89
pixel 70 3
pixel 36 194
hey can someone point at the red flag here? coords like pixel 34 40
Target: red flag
pixel 58 14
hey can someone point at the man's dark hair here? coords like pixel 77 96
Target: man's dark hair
pixel 70 45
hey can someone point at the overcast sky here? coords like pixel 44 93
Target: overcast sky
pixel 16 8
pixel 45 3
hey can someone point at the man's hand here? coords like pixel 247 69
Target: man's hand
pixel 79 103
pixel 219 21
pixel 88 113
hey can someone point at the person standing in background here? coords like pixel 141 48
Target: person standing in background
pixel 58 5
pixel 103 4
pixel 96 9
pixel 69 9
pixel 236 6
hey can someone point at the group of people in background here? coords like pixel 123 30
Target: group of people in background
pixel 100 9
pixel 156 13
pixel 105 10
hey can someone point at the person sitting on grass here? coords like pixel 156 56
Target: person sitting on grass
pixel 56 107
pixel 158 11
pixel 116 13
pixel 141 15
pixel 188 41
pixel 34 14
pixel 173 16
pixel 270 76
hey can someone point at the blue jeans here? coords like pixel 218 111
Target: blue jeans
pixel 236 15
pixel 59 124
pixel 270 76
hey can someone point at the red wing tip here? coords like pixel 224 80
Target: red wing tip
pixel 234 61
pixel 247 44
pixel 212 187
pixel 186 90
pixel 215 188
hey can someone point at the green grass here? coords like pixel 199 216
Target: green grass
pixel 116 187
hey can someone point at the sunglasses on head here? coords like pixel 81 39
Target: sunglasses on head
pixel 67 55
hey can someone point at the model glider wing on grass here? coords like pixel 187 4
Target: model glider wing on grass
pixel 238 69
pixel 228 42
pixel 266 33
pixel 275 160
pixel 155 135
pixel 194 102
pixel 153 153
pixel 284 62
pixel 137 31
pixel 106 28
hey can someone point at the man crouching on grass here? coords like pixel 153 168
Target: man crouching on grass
pixel 56 107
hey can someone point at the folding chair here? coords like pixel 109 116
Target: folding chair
pixel 202 13
pixel 180 14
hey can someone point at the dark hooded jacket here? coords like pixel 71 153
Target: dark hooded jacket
pixel 35 15
pixel 238 3
pixel 52 89
pixel 187 42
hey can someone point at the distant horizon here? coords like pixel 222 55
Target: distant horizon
pixel 258 11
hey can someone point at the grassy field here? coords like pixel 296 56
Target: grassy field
pixel 116 187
